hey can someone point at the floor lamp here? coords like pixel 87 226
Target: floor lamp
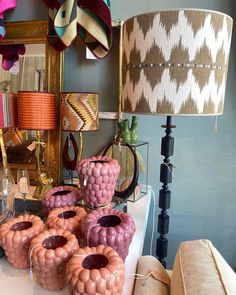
pixel 174 63
pixel 37 111
pixel 79 113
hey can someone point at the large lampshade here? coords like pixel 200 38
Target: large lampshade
pixel 175 62
pixel 8 110
pixel 79 111
pixel 36 110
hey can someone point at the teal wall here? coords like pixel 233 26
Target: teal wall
pixel 204 187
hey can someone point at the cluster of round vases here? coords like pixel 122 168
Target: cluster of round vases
pixel 60 196
pixel 16 236
pixel 55 252
pixel 98 176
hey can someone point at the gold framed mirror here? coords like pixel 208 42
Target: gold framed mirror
pixel 35 32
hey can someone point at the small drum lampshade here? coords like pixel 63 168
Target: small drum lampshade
pixel 37 110
pixel 79 111
pixel 8 110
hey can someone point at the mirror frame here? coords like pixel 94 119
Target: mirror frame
pixel 35 32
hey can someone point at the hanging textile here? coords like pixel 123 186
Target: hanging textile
pixel 89 19
pixel 10 54
pixel 4 6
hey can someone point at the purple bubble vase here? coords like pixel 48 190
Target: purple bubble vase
pixel 98 176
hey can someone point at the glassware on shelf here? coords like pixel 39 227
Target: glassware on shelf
pixel 23 185
pixel 7 195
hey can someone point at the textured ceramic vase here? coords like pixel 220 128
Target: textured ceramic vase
pixel 67 218
pixel 50 251
pixel 97 270
pixel 108 227
pixel 98 177
pixel 60 196
pixel 15 238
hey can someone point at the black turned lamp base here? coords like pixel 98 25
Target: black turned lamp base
pixel 167 150
pixel 2 253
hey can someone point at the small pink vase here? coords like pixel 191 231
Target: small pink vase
pixel 60 196
pixel 96 270
pixel 15 237
pixel 98 176
pixel 50 251
pixel 67 218
pixel 108 227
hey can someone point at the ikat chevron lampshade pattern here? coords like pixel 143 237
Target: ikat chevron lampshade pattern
pixel 79 111
pixel 175 62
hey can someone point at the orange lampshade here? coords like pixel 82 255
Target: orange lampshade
pixel 8 110
pixel 37 110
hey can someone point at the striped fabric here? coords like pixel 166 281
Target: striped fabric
pixel 94 25
pixel 90 19
pixel 8 110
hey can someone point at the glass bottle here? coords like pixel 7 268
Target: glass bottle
pixel 7 195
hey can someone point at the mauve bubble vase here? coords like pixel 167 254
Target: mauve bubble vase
pixel 67 218
pixel 108 227
pixel 96 270
pixel 98 176
pixel 60 196
pixel 50 251
pixel 15 238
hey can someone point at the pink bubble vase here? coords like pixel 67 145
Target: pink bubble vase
pixel 16 236
pixel 59 197
pixel 98 176
pixel 108 227
pixel 50 251
pixel 67 218
pixel 96 270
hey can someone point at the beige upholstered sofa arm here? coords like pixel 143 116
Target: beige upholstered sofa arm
pixel 199 269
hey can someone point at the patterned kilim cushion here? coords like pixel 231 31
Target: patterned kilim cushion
pixel 79 111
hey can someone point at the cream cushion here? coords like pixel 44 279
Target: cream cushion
pixel 199 269
pixel 152 277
